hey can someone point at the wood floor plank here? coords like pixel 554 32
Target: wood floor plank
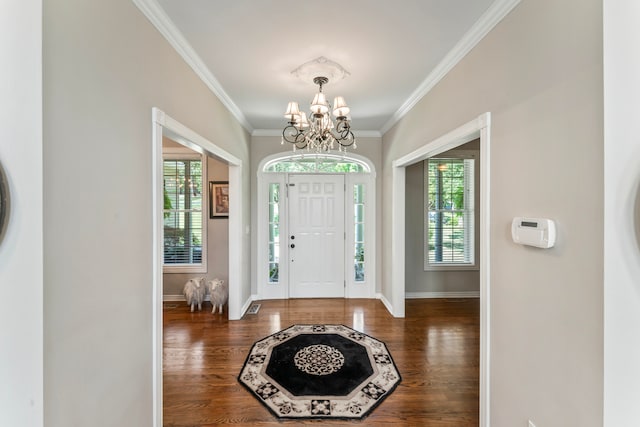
pixel 436 350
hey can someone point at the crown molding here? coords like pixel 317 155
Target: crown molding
pixel 266 132
pixel 496 12
pixel 159 19
pixel 278 132
pixel 367 133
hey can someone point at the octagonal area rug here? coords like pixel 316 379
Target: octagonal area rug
pixel 319 371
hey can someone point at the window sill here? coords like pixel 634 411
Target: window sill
pixel 451 267
pixel 174 269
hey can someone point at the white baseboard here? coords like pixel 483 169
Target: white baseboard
pixel 173 298
pixel 246 305
pixel 461 294
pixel 179 298
pixel 386 303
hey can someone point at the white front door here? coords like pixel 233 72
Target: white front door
pixel 316 236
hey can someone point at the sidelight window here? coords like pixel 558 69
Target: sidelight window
pixel 359 224
pixel 274 233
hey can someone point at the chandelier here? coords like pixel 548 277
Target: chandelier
pixel 319 132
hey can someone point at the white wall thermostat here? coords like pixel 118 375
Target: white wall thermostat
pixel 538 232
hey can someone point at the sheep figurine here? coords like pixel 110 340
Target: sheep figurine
pixel 194 292
pixel 219 293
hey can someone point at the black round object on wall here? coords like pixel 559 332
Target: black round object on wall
pixel 4 203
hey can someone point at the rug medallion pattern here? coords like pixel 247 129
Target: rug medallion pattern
pixel 319 371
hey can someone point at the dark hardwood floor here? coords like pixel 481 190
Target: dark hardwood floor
pixel 435 347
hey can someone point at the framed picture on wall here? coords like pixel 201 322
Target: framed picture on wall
pixel 218 199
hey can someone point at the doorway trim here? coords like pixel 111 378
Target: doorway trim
pixel 165 125
pixel 476 128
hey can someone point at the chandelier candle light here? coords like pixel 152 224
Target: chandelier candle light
pixel 319 133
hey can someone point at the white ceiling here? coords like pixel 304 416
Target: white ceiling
pixel 395 50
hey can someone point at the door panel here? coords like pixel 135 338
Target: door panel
pixel 316 236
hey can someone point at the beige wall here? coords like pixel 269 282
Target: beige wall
pixel 105 67
pixel 539 73
pixel 217 231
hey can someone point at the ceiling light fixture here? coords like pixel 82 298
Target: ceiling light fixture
pixel 318 132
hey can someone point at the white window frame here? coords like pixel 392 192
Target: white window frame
pixel 176 153
pixel 470 204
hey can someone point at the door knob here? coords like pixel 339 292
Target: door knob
pixel 293 246
pixel 293 237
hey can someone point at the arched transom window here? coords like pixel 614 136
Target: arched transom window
pixel 326 163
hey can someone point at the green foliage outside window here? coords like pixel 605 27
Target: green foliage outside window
pixel 311 164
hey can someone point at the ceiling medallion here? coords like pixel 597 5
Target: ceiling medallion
pixel 319 133
pixel 321 66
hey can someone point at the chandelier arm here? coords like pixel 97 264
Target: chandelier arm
pixel 301 139
pixel 347 140
pixel 291 134
pixel 343 132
